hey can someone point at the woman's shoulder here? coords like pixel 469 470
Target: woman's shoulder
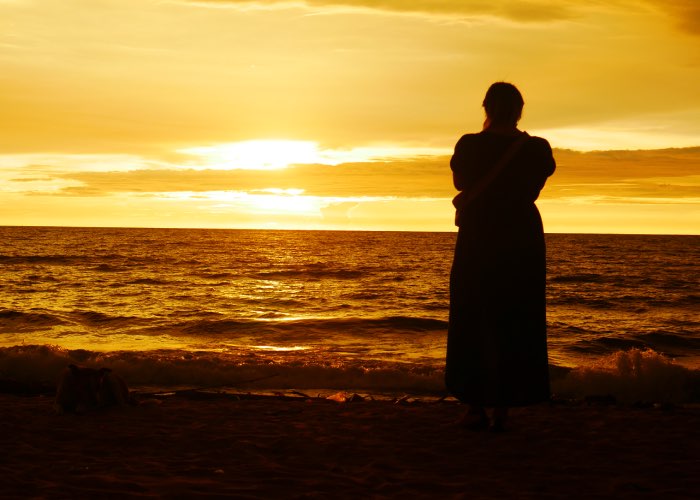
pixel 474 142
pixel 469 138
pixel 539 152
pixel 539 142
pixel 487 140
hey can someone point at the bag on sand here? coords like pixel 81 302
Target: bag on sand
pixel 81 389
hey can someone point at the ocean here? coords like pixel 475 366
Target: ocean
pixel 328 311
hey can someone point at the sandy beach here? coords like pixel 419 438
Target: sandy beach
pixel 212 445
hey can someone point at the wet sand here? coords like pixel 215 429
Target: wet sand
pixel 202 445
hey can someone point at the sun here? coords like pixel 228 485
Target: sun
pixel 260 154
pixel 275 154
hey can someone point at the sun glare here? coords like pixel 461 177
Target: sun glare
pixel 275 154
pixel 263 154
pixel 283 204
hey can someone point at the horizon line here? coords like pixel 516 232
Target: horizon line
pixel 364 230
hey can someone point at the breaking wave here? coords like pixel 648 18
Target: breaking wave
pixel 632 376
pixel 625 376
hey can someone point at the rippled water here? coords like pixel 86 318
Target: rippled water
pixel 320 304
pixel 609 292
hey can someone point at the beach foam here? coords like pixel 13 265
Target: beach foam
pixel 633 376
pixel 628 376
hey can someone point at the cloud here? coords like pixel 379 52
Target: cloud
pixel 654 176
pixel 338 212
pixel 686 13
pixel 31 179
pixel 521 10
pixel 608 191
pixel 607 166
pixel 642 176
pixel 407 178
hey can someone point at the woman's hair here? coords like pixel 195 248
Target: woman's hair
pixel 503 104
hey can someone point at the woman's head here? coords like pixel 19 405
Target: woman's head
pixel 503 104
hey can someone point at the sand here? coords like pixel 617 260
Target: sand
pixel 218 446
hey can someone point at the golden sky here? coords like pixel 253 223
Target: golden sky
pixel 340 114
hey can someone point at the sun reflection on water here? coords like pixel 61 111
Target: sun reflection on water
pixel 276 348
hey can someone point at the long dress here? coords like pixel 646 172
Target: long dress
pixel 497 339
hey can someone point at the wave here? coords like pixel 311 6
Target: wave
pixel 350 325
pixel 147 281
pixel 96 318
pixel 577 278
pixel 622 301
pixel 625 376
pixel 631 376
pixel 109 268
pixel 686 342
pixel 578 301
pixel 670 344
pixel 179 369
pixel 12 320
pixel 311 274
pixel 268 323
pixel 216 275
pixel 42 259
pixel 678 301
pixel 33 279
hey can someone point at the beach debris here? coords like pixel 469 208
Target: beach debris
pixel 344 397
pixel 211 389
pixel 299 393
pixel 83 389
pixel 405 400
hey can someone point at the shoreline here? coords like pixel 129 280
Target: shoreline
pixel 209 444
pixel 632 376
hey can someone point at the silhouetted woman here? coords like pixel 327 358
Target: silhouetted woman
pixel 497 340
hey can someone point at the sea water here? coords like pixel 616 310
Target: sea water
pixel 363 311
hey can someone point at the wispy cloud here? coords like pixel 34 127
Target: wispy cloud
pixel 618 191
pixel 396 178
pixel 627 176
pixel 521 11
pixel 685 13
pixel 624 175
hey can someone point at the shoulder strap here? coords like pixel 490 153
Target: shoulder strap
pixel 465 197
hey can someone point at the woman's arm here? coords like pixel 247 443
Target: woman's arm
pixel 457 165
pixel 546 166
